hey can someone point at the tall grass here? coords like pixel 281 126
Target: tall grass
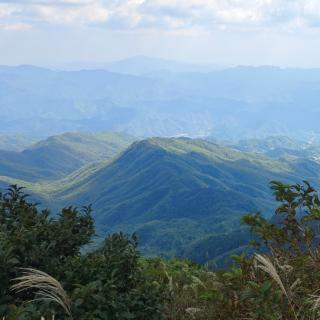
pixel 265 264
pixel 46 288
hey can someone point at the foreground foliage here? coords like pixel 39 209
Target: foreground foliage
pixel 280 281
pixel 104 284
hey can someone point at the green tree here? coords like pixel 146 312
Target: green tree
pixel 103 284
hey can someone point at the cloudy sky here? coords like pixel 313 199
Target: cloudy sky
pixel 222 32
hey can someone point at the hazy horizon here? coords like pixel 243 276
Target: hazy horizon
pixel 146 44
pixel 103 65
pixel 223 33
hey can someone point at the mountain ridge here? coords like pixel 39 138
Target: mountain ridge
pixel 238 102
pixel 58 156
pixel 176 193
pixel 165 186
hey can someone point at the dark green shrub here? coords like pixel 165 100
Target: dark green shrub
pixel 107 283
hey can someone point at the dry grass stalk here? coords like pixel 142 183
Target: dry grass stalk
pixel 48 288
pixel 315 302
pixel 267 266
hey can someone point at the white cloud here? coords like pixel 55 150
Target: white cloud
pixel 16 26
pixel 209 14
pixel 54 12
pixel 164 14
pixel 85 13
pixel 311 12
pixel 6 10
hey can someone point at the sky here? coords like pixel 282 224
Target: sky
pixel 219 32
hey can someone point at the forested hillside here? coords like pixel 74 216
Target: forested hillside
pixel 182 196
pixel 60 155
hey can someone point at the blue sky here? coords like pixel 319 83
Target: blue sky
pixel 222 32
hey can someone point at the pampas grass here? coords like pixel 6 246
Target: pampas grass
pixel 315 302
pixel 47 287
pixel 265 264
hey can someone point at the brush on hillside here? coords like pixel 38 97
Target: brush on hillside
pixel 47 287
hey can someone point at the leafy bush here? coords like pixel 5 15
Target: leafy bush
pixel 281 281
pixel 107 283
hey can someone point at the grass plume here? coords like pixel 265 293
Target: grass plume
pixel 46 287
pixel 268 267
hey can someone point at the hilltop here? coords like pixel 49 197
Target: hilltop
pixel 182 196
pixel 176 191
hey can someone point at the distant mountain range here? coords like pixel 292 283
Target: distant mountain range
pixel 140 65
pixel 280 146
pixel 159 98
pixel 182 196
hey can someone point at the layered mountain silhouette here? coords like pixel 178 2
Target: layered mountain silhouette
pixel 240 102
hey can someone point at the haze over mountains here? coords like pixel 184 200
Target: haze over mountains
pixel 233 103
pixel 140 65
pixel 16 142
pixel 172 151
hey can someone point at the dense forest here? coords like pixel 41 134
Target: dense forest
pixel 48 268
pixel 183 197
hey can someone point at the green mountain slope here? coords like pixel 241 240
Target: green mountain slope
pixel 60 155
pixel 174 192
pixel 182 196
pixel 215 250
